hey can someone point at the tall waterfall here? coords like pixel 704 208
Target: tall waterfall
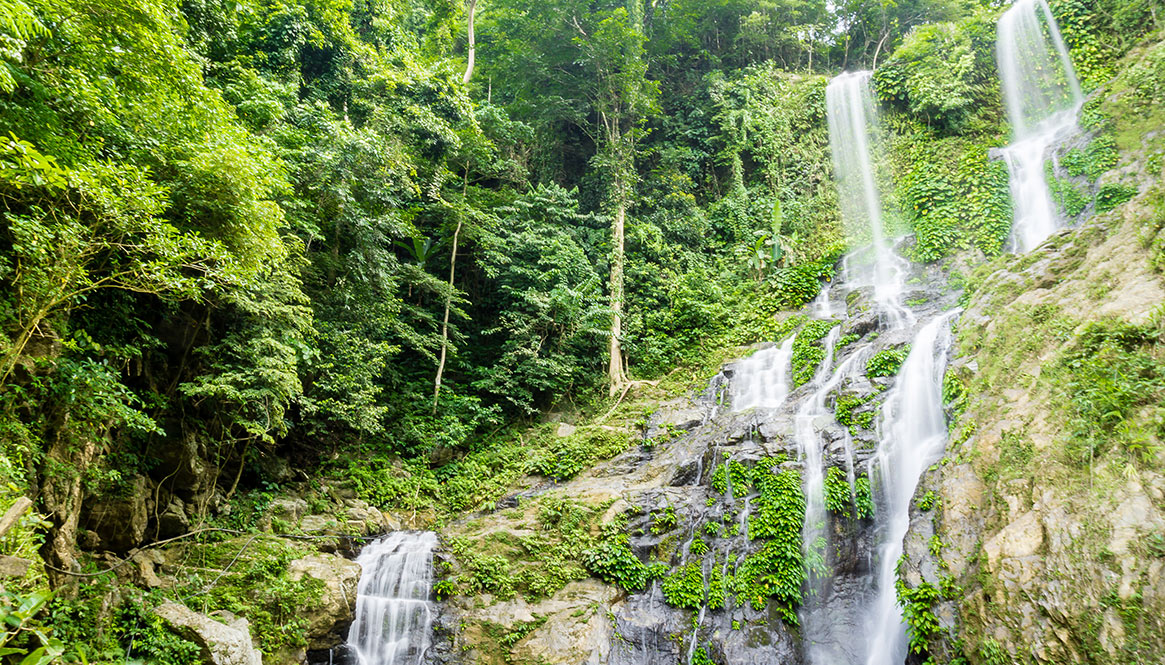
pixel 393 614
pixel 912 436
pixel 853 123
pixel 1043 97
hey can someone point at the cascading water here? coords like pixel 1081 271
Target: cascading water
pixel 393 614
pixel 853 125
pixel 762 379
pixel 818 626
pixel 912 436
pixel 1043 97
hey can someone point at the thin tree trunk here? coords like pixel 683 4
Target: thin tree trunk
pixel 445 320
pixel 449 296
pixel 616 373
pixel 472 44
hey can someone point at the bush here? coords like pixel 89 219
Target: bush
pixel 564 457
pixel 887 362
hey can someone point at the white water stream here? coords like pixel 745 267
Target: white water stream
pixel 853 141
pixel 762 379
pixel 912 436
pixel 393 614
pixel 1043 98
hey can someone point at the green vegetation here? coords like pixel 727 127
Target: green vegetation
pixel 837 492
pixel 844 408
pixel 570 544
pixel 863 498
pixel 776 570
pixel 248 245
pixel 731 471
pixel 887 361
pixel 1108 377
pixel 808 350
pixel 684 587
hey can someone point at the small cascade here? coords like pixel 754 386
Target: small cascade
pixel 762 379
pixel 810 446
pixel 912 436
pixel 818 626
pixel 853 127
pixel 393 614
pixel 1043 98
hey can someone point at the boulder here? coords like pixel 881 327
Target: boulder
pixel 369 519
pixel 120 524
pixel 320 524
pixel 328 620
pixel 288 509
pixel 221 643
pixel 173 520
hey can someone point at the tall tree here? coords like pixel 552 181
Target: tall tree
pixel 622 97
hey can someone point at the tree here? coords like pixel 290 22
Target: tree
pixel 622 97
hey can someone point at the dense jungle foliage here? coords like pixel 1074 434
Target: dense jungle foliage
pixel 306 231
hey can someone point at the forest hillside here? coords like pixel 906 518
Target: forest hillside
pixel 623 317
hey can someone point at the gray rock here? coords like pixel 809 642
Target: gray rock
pixel 221 643
pixel 288 509
pixel 120 524
pixel 329 619
pixel 173 520
pixel 319 524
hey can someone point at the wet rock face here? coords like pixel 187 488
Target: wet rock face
pixel 328 620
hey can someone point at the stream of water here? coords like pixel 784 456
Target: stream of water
pixel 912 436
pixel 1043 99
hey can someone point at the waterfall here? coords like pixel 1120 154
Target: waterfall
pixel 762 379
pixel 912 436
pixel 819 627
pixel 853 123
pixel 393 614
pixel 1043 97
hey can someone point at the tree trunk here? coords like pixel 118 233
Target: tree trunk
pixel 60 499
pixel 445 321
pixel 615 372
pixel 472 45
